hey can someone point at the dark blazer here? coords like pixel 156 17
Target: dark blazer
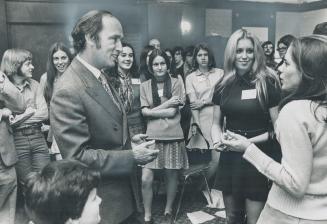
pixel 12 99
pixel 89 127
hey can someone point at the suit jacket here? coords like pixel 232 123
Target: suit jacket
pixel 89 127
pixel 12 99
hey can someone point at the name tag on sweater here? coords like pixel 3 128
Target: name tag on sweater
pixel 160 92
pixel 136 81
pixel 249 94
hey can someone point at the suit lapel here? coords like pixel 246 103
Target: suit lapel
pixel 125 125
pixel 95 89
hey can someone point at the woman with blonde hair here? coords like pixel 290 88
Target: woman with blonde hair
pixel 299 190
pixel 246 101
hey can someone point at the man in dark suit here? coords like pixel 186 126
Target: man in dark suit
pixel 11 101
pixel 88 119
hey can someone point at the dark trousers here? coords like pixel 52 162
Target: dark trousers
pixel 32 151
pixel 8 192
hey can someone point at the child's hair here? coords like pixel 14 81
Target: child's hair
pixel 59 191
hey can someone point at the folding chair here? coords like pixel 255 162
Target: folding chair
pixel 196 169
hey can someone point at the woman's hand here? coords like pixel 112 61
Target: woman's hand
pixel 174 101
pixel 235 142
pixel 220 147
pixel 194 129
pixel 6 112
pixel 197 104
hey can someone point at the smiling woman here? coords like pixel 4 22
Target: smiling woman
pixel 125 78
pixel 248 98
pixel 298 193
pixel 59 58
pixel 161 100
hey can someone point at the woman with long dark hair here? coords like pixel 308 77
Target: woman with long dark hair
pixel 200 85
pixel 299 191
pixel 125 78
pixel 161 99
pixel 59 58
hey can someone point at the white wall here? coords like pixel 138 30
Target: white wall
pixel 310 19
pixel 298 24
pixel 287 23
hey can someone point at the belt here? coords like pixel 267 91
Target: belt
pixel 28 130
pixel 247 133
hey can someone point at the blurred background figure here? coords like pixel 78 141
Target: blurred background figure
pixel 144 60
pixel 59 58
pixel 155 43
pixel 63 192
pixel 169 54
pixel 321 29
pixel 11 102
pixel 177 63
pixel 269 51
pixel 282 46
pixel 188 65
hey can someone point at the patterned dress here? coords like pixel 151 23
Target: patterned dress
pixel 166 132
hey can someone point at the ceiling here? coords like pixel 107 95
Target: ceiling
pixel 298 2
pixel 280 1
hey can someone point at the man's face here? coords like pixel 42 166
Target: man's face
pixel 282 48
pixel 178 57
pixel 26 70
pixel 189 59
pixel 268 49
pixel 155 43
pixel 109 46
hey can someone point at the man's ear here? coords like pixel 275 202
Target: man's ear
pixel 89 40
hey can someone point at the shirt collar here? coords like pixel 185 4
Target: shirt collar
pixel 96 72
pixel 25 83
pixel 198 72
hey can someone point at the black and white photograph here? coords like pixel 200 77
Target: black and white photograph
pixel 163 111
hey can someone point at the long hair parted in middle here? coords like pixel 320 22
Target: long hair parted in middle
pixel 51 68
pixel 211 57
pixel 259 73
pixel 167 80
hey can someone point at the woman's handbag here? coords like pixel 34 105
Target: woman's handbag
pixel 197 147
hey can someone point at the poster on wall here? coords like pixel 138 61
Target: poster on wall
pixel 260 32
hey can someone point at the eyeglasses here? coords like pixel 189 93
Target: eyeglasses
pixel 268 47
pixel 282 49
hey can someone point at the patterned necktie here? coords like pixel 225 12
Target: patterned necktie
pixel 106 86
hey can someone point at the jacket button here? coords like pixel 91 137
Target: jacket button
pixel 116 128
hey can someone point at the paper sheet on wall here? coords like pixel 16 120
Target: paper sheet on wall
pixel 260 32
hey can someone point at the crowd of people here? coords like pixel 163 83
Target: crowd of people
pixel 72 144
